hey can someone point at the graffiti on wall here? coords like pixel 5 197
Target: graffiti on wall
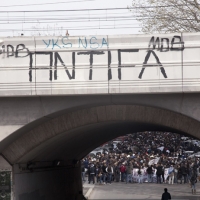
pixel 5 185
pixel 91 48
pixel 85 43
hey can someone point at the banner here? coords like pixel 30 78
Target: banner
pixel 154 161
pixel 144 175
pixel 161 148
pixel 166 173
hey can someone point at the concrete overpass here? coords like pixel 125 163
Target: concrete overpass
pixel 62 97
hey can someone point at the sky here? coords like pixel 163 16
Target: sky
pixel 87 22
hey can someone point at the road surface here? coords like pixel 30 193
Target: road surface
pixel 143 191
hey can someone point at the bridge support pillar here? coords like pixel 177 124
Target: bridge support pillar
pixel 48 184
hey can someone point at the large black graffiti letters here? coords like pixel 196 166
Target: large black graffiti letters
pixel 73 63
pixel 2 50
pixel 50 61
pixel 55 67
pixel 30 67
pixel 109 63
pixel 10 53
pixel 158 63
pixel 91 53
pixel 57 57
pixel 120 60
pixel 180 42
pixel 18 49
pixel 163 48
pixel 154 42
pixel 163 45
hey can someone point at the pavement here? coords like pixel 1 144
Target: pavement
pixel 142 191
pixel 87 189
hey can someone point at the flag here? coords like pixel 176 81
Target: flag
pixel 154 161
pixel 161 148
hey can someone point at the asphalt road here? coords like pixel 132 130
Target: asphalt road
pixel 143 191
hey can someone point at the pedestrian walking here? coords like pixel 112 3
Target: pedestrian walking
pixel 193 181
pixel 166 195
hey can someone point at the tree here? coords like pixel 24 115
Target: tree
pixel 167 16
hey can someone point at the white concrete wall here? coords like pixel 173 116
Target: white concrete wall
pixel 6 130
pixel 4 165
pixel 120 64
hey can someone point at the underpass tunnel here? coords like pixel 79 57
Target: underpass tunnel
pixel 46 159
pixel 74 145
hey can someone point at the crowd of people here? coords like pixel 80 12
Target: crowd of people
pixel 147 156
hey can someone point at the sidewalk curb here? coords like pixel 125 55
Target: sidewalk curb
pixel 87 195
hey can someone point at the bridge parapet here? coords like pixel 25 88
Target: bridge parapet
pixel 99 64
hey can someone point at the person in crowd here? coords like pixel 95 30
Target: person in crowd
pixel 123 172
pixel 158 173
pixel 189 174
pixel 88 172
pixel 104 173
pixel 117 172
pixel 141 150
pixel 171 174
pixel 163 172
pixel 179 176
pixel 86 163
pixel 198 172
pixel 175 174
pixel 193 181
pixel 150 173
pixel 97 169
pixel 129 171
pixel 184 172
pixel 109 171
pixel 99 175
pixel 140 175
pixel 92 173
pixel 83 171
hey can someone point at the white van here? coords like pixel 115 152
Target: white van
pixel 97 150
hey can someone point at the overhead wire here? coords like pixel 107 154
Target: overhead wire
pixel 41 4
pixel 71 18
pixel 91 9
pixel 72 10
pixel 102 25
pixel 83 28
pixel 82 14
pixel 92 17
pixel 87 20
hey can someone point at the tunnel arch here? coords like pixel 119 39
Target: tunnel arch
pixel 74 134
